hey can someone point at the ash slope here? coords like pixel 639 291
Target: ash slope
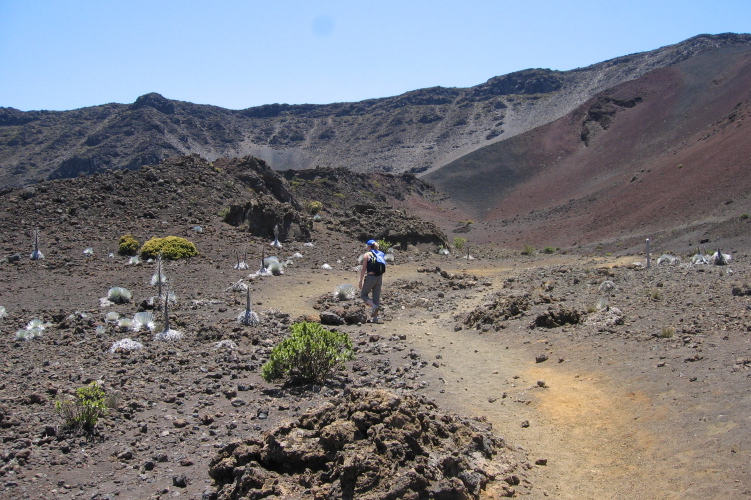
pixel 663 156
pixel 417 131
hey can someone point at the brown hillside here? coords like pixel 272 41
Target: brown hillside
pixel 666 152
pixel 414 132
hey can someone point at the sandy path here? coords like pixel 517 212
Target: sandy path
pixel 601 437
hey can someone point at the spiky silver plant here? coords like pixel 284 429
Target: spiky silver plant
pixel 345 292
pixel 88 252
pixel 276 268
pixel 272 259
pixel 28 334
pixel 36 254
pixel 159 279
pixel 126 345
pixel 248 317
pixel 225 344
pixel 3 312
pixel 141 319
pixel 238 286
pixel 119 295
pixel 167 334
pixel 125 323
pixel 263 262
pixel 242 264
pixel 276 243
pixel 34 329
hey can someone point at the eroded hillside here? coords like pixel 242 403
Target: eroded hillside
pixel 664 156
pixel 417 131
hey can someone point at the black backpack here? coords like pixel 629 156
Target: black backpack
pixel 376 263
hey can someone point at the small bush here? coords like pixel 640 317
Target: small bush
pixel 171 247
pixel 459 242
pixel 549 250
pixel 528 250
pixel 744 216
pixel 83 412
pixel 384 244
pixel 313 207
pixel 655 294
pixel 667 332
pixel 310 353
pixel 128 245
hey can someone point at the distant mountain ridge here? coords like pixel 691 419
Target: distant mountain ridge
pixel 418 131
pixel 665 156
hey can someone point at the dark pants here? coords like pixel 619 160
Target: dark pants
pixel 372 284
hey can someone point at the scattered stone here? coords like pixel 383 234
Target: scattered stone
pixel 180 481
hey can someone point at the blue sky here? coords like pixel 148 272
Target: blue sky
pixel 67 54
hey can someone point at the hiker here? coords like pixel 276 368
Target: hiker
pixel 371 278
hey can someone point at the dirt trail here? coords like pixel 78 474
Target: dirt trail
pixel 585 424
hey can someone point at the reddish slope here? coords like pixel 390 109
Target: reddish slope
pixel 657 154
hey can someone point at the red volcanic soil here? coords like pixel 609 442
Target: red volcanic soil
pixel 665 157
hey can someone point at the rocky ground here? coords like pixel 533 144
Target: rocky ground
pixel 559 376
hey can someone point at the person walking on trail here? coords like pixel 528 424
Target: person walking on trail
pixel 371 278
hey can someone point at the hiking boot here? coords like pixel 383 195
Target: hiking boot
pixel 375 311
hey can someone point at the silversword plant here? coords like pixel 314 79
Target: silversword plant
pixel 36 254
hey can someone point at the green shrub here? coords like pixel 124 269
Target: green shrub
pixel 83 411
pixel 384 244
pixel 549 250
pixel 667 332
pixel 128 245
pixel 310 353
pixel 528 250
pixel 459 242
pixel 744 216
pixel 171 247
pixel 313 207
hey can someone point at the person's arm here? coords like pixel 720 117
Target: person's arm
pixel 364 268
